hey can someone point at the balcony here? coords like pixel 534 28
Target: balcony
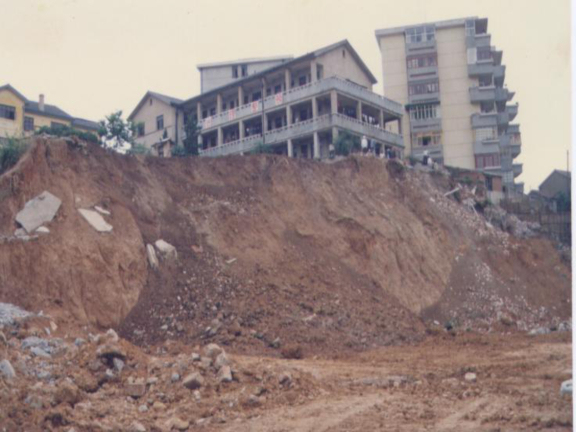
pixel 503 95
pixel 499 73
pixel 423 72
pixel 425 125
pixel 482 94
pixel 512 111
pixel 487 146
pixel 517 169
pixel 480 120
pixel 303 128
pixel 300 93
pixel 482 40
pixel 422 47
pixel 481 67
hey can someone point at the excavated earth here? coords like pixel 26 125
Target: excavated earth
pixel 357 266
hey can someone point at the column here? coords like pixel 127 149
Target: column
pixel 359 111
pixel 218 103
pixel 314 108
pixel 241 129
pixel 334 135
pixel 316 146
pixel 381 119
pixel 334 102
pixel 199 123
pixel 220 140
pixel 288 115
pixel 313 71
pixel 290 148
pixel 399 126
pixel 288 78
pixel 240 96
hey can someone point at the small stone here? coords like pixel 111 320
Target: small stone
pixel 212 351
pixel 118 364
pixel 175 377
pixel 205 363
pixel 470 377
pixel 166 249
pixel 285 378
pixel 164 327
pixel 152 380
pixel 112 336
pixel 39 352
pixel 7 370
pixel 221 360
pixel 178 424
pixel 225 374
pixel 152 258
pixel 195 357
pixel 143 408
pixel 43 230
pixel 197 395
pixel 101 210
pixel 96 220
pixel 275 343
pixel 159 406
pixel 136 389
pixel 566 388
pixel 136 427
pixel 193 381
pixel 79 342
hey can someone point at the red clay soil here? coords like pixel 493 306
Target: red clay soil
pixel 328 257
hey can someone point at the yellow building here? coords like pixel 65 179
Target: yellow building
pixel 21 117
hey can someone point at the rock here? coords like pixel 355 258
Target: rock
pixel 96 220
pixel 151 381
pixel 175 377
pixel 143 408
pixel 251 401
pixel 112 336
pixel 177 424
pixel 101 210
pixel 225 374
pixel 470 377
pixel 38 211
pixel 68 393
pixel 275 343
pixel 195 357
pixel 566 388
pixel 539 331
pixel 39 352
pixel 6 369
pixel 159 406
pixel 152 258
pixel 110 351
pixel 197 395
pixel 43 230
pixel 212 351
pixel 10 312
pixel 118 364
pixel 3 339
pixel 205 363
pixel 193 381
pixel 285 378
pixel 136 427
pixel 79 342
pixel 221 360
pixel 166 249
pixel 136 389
pixel 20 233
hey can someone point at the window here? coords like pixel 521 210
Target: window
pixel 303 115
pixel 488 160
pixel 232 104
pixel 150 101
pixel 424 112
pixel 343 53
pixel 141 129
pixel 235 71
pixel 420 34
pixel 427 139
pixel 244 70
pixel 213 111
pixel 204 114
pixel 486 134
pixel 246 99
pixel 28 123
pixel 278 122
pixel 508 177
pixel 160 122
pixel 278 89
pixel 8 112
pixel 223 106
pixel 425 88
pixel 421 61
pixel 302 80
pixel 256 96
pixel 268 91
pixel 484 53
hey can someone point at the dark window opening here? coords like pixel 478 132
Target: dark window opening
pixel 160 122
pixel 28 123
pixel 8 112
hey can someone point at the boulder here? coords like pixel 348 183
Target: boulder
pixel 152 258
pixel 6 369
pixel 470 377
pixel 166 249
pixel 38 211
pixel 221 360
pixel 225 374
pixel 212 351
pixel 43 230
pixel 193 381
pixel 96 220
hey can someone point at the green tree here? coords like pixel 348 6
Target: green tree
pixel 66 131
pixel 11 152
pixel 191 132
pixel 346 143
pixel 116 132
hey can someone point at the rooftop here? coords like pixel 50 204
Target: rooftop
pixel 438 24
pixel 244 61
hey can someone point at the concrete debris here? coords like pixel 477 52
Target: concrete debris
pixel 470 377
pixel 566 388
pixel 136 427
pixel 453 191
pixel 43 230
pixel 96 220
pixel 193 381
pixel 9 313
pixel 20 233
pixel 38 211
pixel 166 249
pixel 225 374
pixel 7 370
pixel 212 351
pixel 152 258
pixel 101 210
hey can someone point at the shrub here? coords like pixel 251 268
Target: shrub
pixel 179 151
pixel 261 148
pixel 138 149
pixel 10 153
pixel 292 352
pixel 346 143
pixel 66 131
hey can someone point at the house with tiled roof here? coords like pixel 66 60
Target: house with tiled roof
pixel 20 116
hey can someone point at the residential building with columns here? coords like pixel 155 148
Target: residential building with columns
pixel 451 81
pixel 296 106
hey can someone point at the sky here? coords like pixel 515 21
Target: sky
pixel 92 57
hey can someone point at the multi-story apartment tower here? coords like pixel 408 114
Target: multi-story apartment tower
pixel 451 81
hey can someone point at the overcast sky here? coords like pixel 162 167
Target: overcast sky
pixel 91 57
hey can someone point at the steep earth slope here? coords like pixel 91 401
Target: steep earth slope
pixel 271 251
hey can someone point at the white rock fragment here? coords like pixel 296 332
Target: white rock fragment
pixel 152 258
pixel 38 211
pixel 166 249
pixel 7 370
pixel 96 220
pixel 101 210
pixel 566 388
pixel 43 230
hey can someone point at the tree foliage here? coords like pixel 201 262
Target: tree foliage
pixel 191 132
pixel 66 131
pixel 116 132
pixel 10 153
pixel 346 143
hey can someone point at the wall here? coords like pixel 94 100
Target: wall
pixel 40 121
pixel 11 127
pixel 457 134
pixel 393 53
pixel 147 115
pixel 555 184
pixel 335 63
pixel 214 77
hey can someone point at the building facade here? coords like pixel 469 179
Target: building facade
pixel 297 107
pixel 451 81
pixel 22 117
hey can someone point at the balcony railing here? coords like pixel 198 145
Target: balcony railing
pixel 306 91
pixel 512 111
pixel 517 169
pixel 482 94
pixel 303 128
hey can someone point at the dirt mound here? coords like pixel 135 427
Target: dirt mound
pixel 272 252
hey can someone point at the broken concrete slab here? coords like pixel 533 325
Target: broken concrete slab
pixel 152 258
pixel 38 211
pixel 166 249
pixel 96 220
pixel 101 210
pixel 43 230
